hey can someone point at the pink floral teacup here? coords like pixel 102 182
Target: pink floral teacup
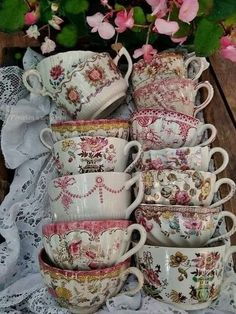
pixel 84 292
pixel 183 158
pixel 90 244
pixel 172 94
pixel 158 129
pixel 189 187
pixel 184 226
pixel 188 278
pixel 93 87
pixel 166 64
pixel 94 196
pixel 93 154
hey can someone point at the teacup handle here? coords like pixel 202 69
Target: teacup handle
pixel 225 157
pixel 206 102
pixel 230 232
pixel 33 72
pixel 139 245
pixel 202 129
pixel 138 274
pixel 139 198
pixel 127 148
pixel 124 52
pixel 199 61
pixel 232 186
pixel 43 133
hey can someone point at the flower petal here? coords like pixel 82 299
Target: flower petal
pixel 95 20
pixel 229 53
pixel 166 27
pixel 138 53
pixel 106 30
pixel 179 40
pixel 188 10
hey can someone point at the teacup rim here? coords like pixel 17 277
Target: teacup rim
pixel 210 174
pixel 89 122
pixel 179 208
pixel 80 273
pixel 61 227
pixel 161 53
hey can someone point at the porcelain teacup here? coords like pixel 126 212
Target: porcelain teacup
pixel 173 94
pixel 166 64
pixel 89 85
pixel 189 187
pixel 183 158
pixel 158 129
pixel 183 226
pixel 91 244
pixel 94 196
pixel 188 278
pixel 93 154
pixel 84 292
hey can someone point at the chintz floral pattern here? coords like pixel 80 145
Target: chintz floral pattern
pixel 195 276
pixel 176 187
pixel 57 74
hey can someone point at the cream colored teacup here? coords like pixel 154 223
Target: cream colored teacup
pixel 87 84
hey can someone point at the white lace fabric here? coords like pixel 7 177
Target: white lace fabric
pixel 26 208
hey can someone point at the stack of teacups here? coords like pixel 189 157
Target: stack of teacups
pixel 86 256
pixel 178 211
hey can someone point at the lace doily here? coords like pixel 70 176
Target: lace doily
pixel 26 208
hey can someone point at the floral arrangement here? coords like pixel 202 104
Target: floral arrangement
pixel 143 26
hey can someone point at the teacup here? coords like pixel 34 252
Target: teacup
pixel 189 187
pixel 158 129
pixel 183 158
pixel 184 226
pixel 93 88
pixel 93 154
pixel 167 64
pixel 173 94
pixel 188 278
pixel 94 196
pixel 100 127
pixel 84 292
pixel 90 244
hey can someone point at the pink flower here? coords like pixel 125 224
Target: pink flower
pixel 151 277
pixel 188 10
pixel 48 45
pixel 74 247
pixel 93 144
pixel 166 27
pixel 179 40
pixel 159 7
pixel 66 200
pixel 182 197
pixel 31 18
pixel 124 20
pixel 147 51
pixel 193 224
pixel 157 164
pixel 228 48
pixel 56 72
pixel 104 29
pixel 206 261
pixel 147 225
pixel 90 254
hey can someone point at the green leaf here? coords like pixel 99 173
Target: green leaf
pixel 205 7
pixel 75 6
pixel 139 16
pixel 222 10
pixel 12 15
pixel 119 7
pixel 79 21
pixel 231 20
pixel 68 36
pixel 183 31
pixel 150 18
pixel 207 38
pixel 45 11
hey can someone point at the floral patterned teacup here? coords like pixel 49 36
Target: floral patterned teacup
pixel 173 94
pixel 100 127
pixel 183 158
pixel 158 129
pixel 93 154
pixel 84 292
pixel 189 278
pixel 184 226
pixel 90 244
pixel 167 64
pixel 94 196
pixel 189 187
pixel 93 88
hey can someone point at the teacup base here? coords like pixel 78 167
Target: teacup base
pixel 81 310
pixel 111 105
pixel 191 307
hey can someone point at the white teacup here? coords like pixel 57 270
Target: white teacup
pixel 93 154
pixel 94 196
pixel 189 187
pixel 87 84
pixel 188 278
pixel 173 94
pixel 183 158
